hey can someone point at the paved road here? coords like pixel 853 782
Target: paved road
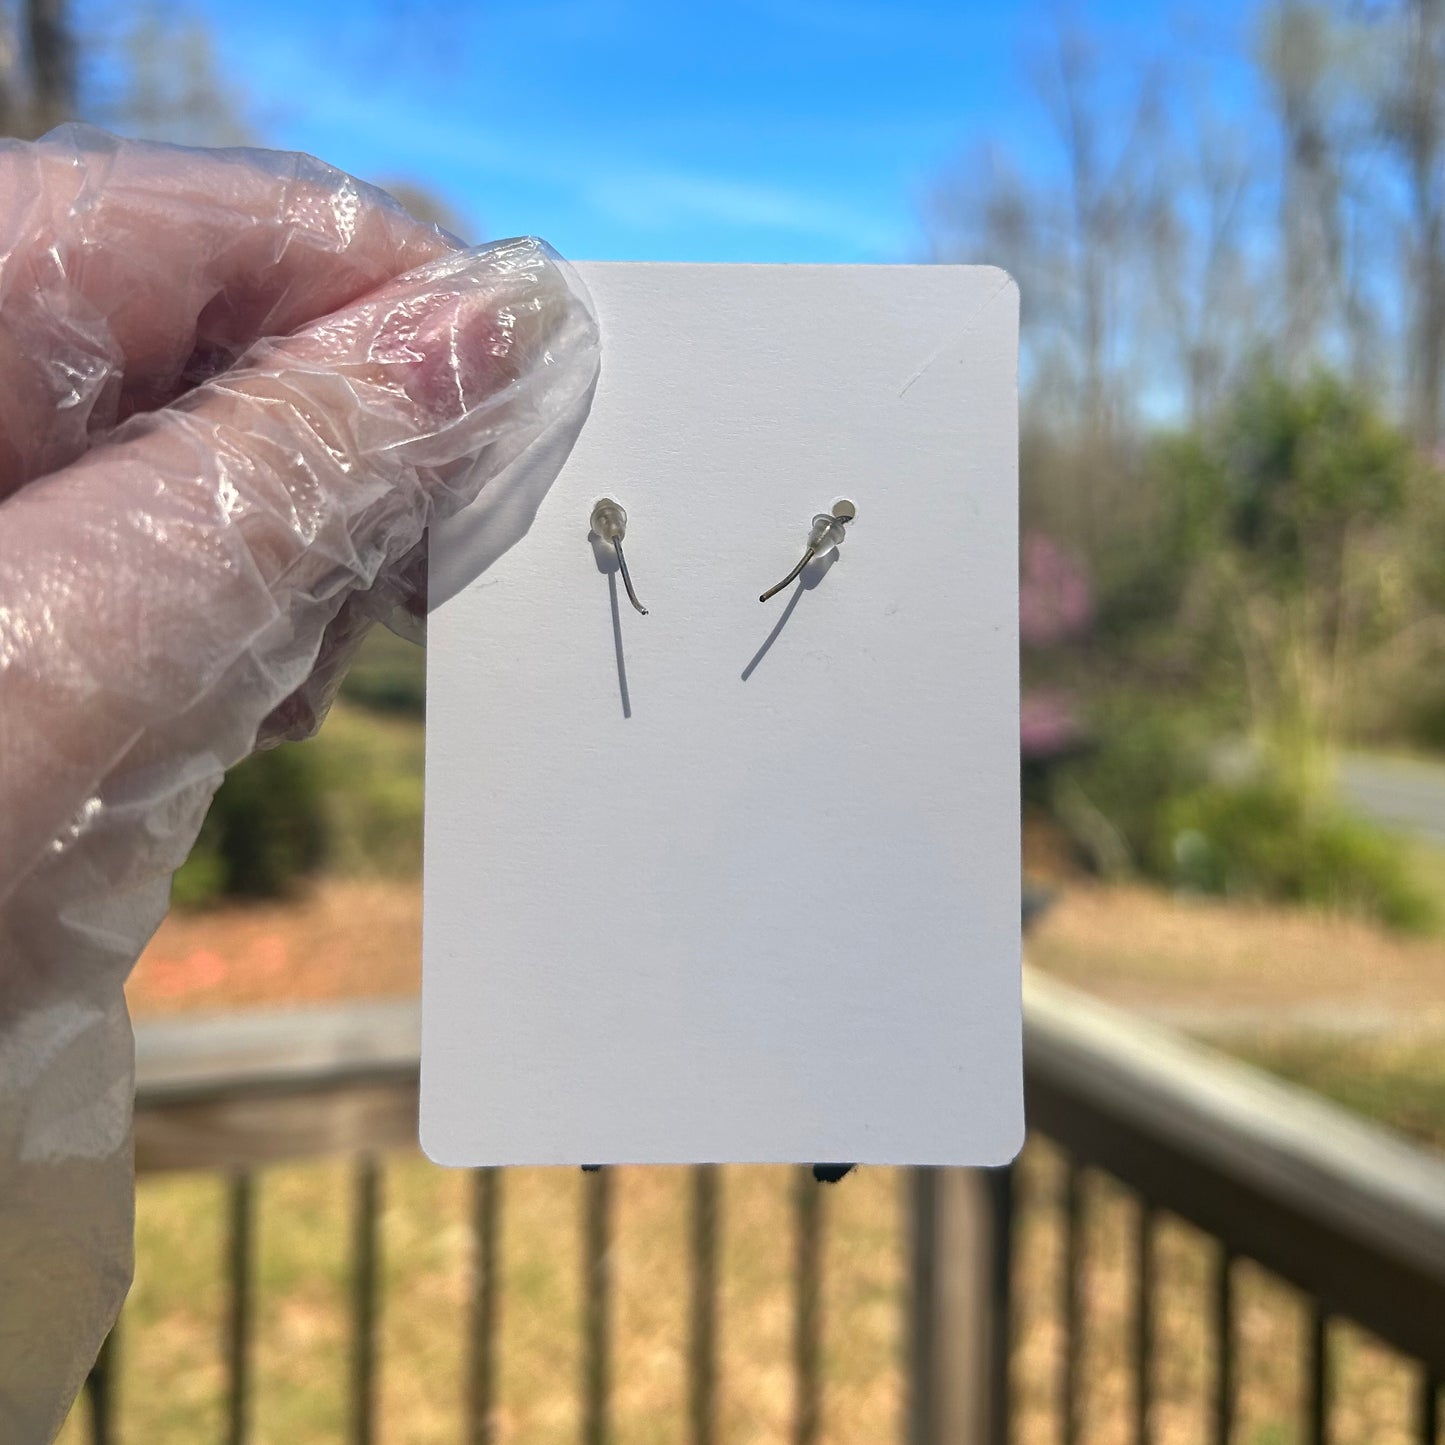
pixel 1403 793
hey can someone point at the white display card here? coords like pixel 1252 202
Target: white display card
pixel 731 881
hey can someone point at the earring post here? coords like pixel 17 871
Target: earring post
pixel 627 576
pixel 792 576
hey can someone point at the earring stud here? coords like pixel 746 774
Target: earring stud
pixel 609 521
pixel 827 535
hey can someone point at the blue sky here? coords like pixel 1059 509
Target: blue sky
pixel 761 130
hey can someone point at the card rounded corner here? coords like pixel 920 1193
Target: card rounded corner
pixel 437 1150
pixel 1011 1145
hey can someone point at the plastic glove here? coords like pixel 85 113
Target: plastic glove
pixel 196 524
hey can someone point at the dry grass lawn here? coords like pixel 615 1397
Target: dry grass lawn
pixel 1142 948
pixel 358 937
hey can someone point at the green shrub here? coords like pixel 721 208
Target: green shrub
pixel 348 800
pixel 1425 719
pixel 201 879
pixel 265 833
pixel 1141 755
pixel 372 769
pixel 1262 839
pixel 1158 798
pixel 387 675
pixel 377 819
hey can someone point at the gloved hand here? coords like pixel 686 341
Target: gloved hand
pixel 236 387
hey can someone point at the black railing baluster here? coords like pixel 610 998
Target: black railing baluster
pixel 482 1344
pixel 702 1344
pixel 366 1260
pixel 1223 1346
pixel 1317 1387
pixel 597 1321
pixel 1072 1302
pixel 960 1311
pixel 1003 1193
pixel 1144 1324
pixel 1429 1417
pixel 921 1195
pixel 807 1305
pixel 240 1244
pixel 101 1389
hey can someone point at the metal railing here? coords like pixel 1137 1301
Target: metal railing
pixel 1347 1213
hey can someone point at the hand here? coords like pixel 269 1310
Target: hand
pixel 236 387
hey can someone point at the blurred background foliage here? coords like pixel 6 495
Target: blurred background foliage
pixel 1233 379
pixel 1234 347
pixel 348 802
pixel 1265 604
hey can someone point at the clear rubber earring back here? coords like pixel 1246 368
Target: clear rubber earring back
pixel 609 521
pixel 826 534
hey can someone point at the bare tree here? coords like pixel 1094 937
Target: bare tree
pixel 170 86
pixel 1109 190
pixel 51 49
pixel 985 209
pixel 37 67
pixel 1412 117
pixel 1205 294
pixel 1296 55
pixel 1075 247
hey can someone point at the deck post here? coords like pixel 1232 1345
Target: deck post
pixel 959 1325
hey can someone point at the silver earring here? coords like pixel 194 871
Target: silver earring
pixel 609 521
pixel 827 534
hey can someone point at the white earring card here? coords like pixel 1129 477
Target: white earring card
pixel 739 882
